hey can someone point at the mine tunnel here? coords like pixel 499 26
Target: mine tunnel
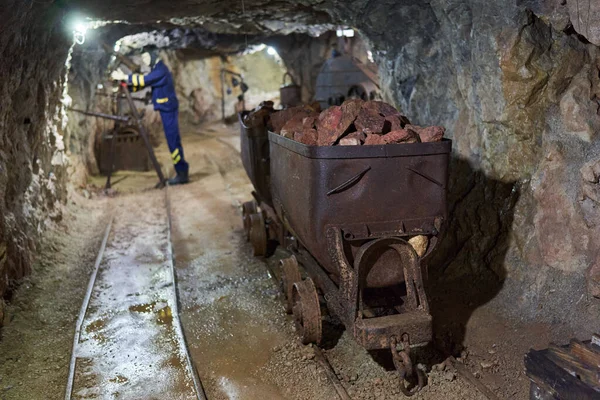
pixel 246 199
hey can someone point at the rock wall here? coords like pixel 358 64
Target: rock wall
pixel 33 48
pixel 89 63
pixel 304 56
pixel 198 81
pixel 515 84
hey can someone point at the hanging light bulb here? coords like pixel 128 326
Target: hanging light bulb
pixel 80 27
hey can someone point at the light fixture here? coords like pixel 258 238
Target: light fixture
pixel 80 27
pixel 271 51
pixel 347 32
pixel 370 56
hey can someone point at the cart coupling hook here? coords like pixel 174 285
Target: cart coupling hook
pixel 404 366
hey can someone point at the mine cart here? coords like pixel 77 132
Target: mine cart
pixel 124 152
pixel 255 158
pixel 256 214
pixel 352 211
pixel 290 94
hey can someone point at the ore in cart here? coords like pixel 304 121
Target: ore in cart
pixel 352 210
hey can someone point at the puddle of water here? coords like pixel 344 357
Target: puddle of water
pixel 142 308
pixel 248 389
pixel 119 379
pixel 237 342
pixel 165 316
pixel 96 325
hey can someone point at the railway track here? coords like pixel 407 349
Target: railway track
pixel 128 339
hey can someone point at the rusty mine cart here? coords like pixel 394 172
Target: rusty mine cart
pixel 346 213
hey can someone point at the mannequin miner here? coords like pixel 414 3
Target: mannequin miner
pixel 164 101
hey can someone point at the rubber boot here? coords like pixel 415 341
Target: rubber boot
pixel 179 179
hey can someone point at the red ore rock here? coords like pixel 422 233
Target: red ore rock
pixel 307 136
pixel 327 125
pixel 336 120
pixel 309 122
pixel 280 118
pixel 401 136
pixel 315 106
pixel 352 107
pixel 428 133
pixel 374 139
pixel 291 127
pixel 392 123
pixel 370 119
pixel 384 109
pixel 266 104
pixel 394 137
pixel 380 117
pixel 259 117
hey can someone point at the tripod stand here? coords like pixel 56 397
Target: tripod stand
pixel 119 119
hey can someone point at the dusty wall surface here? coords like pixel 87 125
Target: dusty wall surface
pixel 33 48
pixel 89 62
pixel 198 82
pixel 304 56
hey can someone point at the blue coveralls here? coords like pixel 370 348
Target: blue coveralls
pixel 165 101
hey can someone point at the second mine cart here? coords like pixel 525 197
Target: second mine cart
pixel 257 214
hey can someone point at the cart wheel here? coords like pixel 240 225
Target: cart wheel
pixel 290 274
pixel 258 234
pixel 307 311
pixel 248 208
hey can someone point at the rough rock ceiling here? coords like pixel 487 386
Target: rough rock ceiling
pixel 228 16
pixel 143 35
pixel 286 16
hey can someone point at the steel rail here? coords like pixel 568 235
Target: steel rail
pixel 200 394
pixel 83 311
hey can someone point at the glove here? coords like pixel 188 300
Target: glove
pixel 118 75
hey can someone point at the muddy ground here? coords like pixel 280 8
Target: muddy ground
pixel 242 343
